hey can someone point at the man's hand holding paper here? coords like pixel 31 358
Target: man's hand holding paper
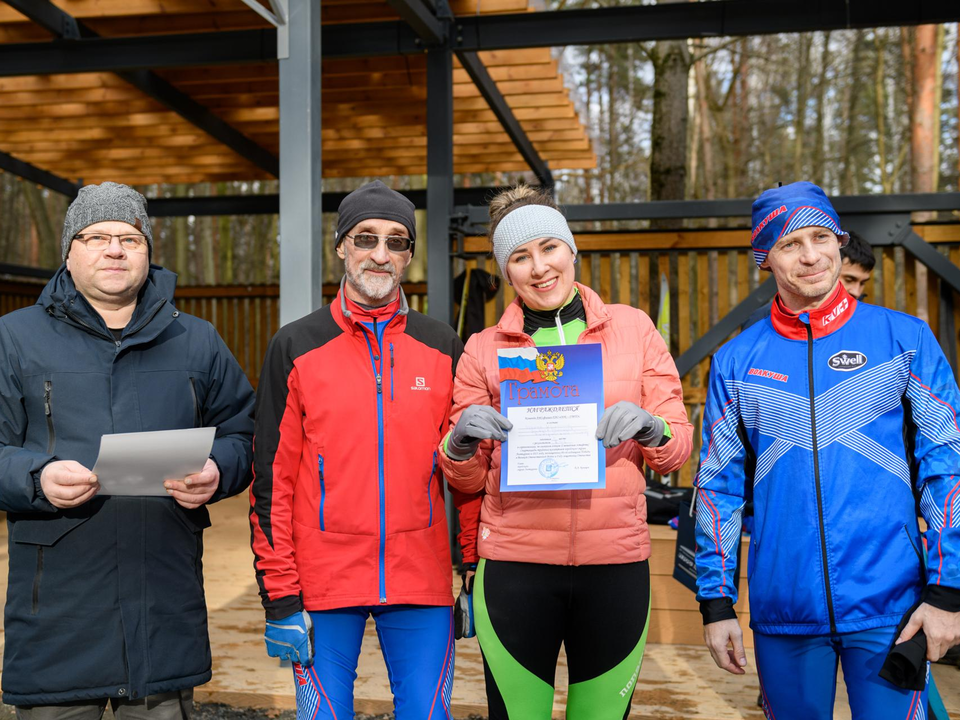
pixel 197 489
pixel 67 483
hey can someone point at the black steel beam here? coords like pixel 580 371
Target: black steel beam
pixel 498 104
pixel 269 204
pixel 637 23
pixel 724 18
pixel 49 17
pixel 201 117
pixel 928 255
pixel 64 26
pixel 24 271
pixel 716 335
pixel 632 23
pixel 35 175
pixel 118 54
pixel 422 20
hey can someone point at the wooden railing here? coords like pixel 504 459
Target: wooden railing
pixel 708 273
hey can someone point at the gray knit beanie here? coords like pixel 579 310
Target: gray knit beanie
pixel 104 202
pixel 526 223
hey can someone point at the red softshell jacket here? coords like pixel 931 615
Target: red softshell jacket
pixel 347 503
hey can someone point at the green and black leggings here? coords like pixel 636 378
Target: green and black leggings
pixel 525 611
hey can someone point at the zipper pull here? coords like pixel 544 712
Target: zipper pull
pixel 47 385
pixel 379 384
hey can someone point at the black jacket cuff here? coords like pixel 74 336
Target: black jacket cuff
pixel 717 609
pixel 942 597
pixel 283 607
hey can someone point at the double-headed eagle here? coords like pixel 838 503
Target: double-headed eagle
pixel 550 365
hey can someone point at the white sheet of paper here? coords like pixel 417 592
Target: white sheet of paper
pixel 553 444
pixel 138 463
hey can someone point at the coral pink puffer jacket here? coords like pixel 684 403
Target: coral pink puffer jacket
pixel 574 527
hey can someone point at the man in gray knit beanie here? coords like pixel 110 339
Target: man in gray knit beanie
pixel 105 351
pixel 107 201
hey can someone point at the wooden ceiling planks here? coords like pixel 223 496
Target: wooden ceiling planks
pixel 374 109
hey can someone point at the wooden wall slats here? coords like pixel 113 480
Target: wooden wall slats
pixel 704 285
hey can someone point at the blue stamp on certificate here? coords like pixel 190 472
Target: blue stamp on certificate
pixel 554 398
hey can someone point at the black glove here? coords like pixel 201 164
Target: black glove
pixel 906 663
pixel 476 423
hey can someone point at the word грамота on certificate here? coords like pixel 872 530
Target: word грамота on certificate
pixel 554 398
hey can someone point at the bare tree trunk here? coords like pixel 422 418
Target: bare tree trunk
pixel 668 146
pixel 224 231
pixel 818 147
pixel 706 129
pixel 879 79
pixel 47 239
pixel 848 183
pixel 181 239
pixel 803 85
pixel 924 137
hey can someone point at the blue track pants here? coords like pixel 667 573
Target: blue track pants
pixel 417 646
pixel 798 677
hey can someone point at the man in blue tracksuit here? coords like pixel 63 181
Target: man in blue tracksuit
pixel 832 413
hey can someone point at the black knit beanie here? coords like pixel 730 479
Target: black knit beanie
pixel 375 200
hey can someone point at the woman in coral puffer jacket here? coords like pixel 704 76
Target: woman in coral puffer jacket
pixel 563 566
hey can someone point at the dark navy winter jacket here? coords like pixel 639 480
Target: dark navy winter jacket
pixel 106 599
pixel 833 419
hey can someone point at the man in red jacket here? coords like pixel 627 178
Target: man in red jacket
pixel 347 504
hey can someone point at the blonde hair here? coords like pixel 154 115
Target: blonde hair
pixel 511 199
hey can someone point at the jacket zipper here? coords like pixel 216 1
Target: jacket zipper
pixel 391 372
pixel 816 475
pixel 563 337
pixel 378 373
pixel 433 469
pixel 913 545
pixel 323 488
pixel 48 411
pixel 197 415
pixel 36 581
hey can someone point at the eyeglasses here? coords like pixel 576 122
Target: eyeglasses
pixel 368 241
pixel 97 242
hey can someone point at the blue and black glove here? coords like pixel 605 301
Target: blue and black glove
pixel 291 638
pixel 463 608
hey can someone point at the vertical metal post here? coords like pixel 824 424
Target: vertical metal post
pixel 440 206
pixel 439 181
pixel 301 231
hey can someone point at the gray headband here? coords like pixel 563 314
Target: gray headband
pixel 526 223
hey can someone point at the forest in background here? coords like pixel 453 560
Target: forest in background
pixel 858 112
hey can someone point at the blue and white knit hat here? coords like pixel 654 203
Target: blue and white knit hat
pixel 782 210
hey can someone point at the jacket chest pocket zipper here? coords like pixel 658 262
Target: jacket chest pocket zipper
pixel 48 412
pixel 323 488
pixel 35 606
pixel 914 546
pixel 197 415
pixel 433 471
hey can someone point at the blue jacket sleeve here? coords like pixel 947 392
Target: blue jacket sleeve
pixel 720 501
pixel 229 407
pixel 934 399
pixel 19 488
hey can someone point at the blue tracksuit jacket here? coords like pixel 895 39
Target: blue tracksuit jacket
pixel 833 419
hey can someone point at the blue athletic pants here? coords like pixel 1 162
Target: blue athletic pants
pixel 417 646
pixel 798 677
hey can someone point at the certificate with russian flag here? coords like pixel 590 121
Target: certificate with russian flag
pixel 553 395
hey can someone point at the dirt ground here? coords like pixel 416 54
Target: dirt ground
pixel 676 681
